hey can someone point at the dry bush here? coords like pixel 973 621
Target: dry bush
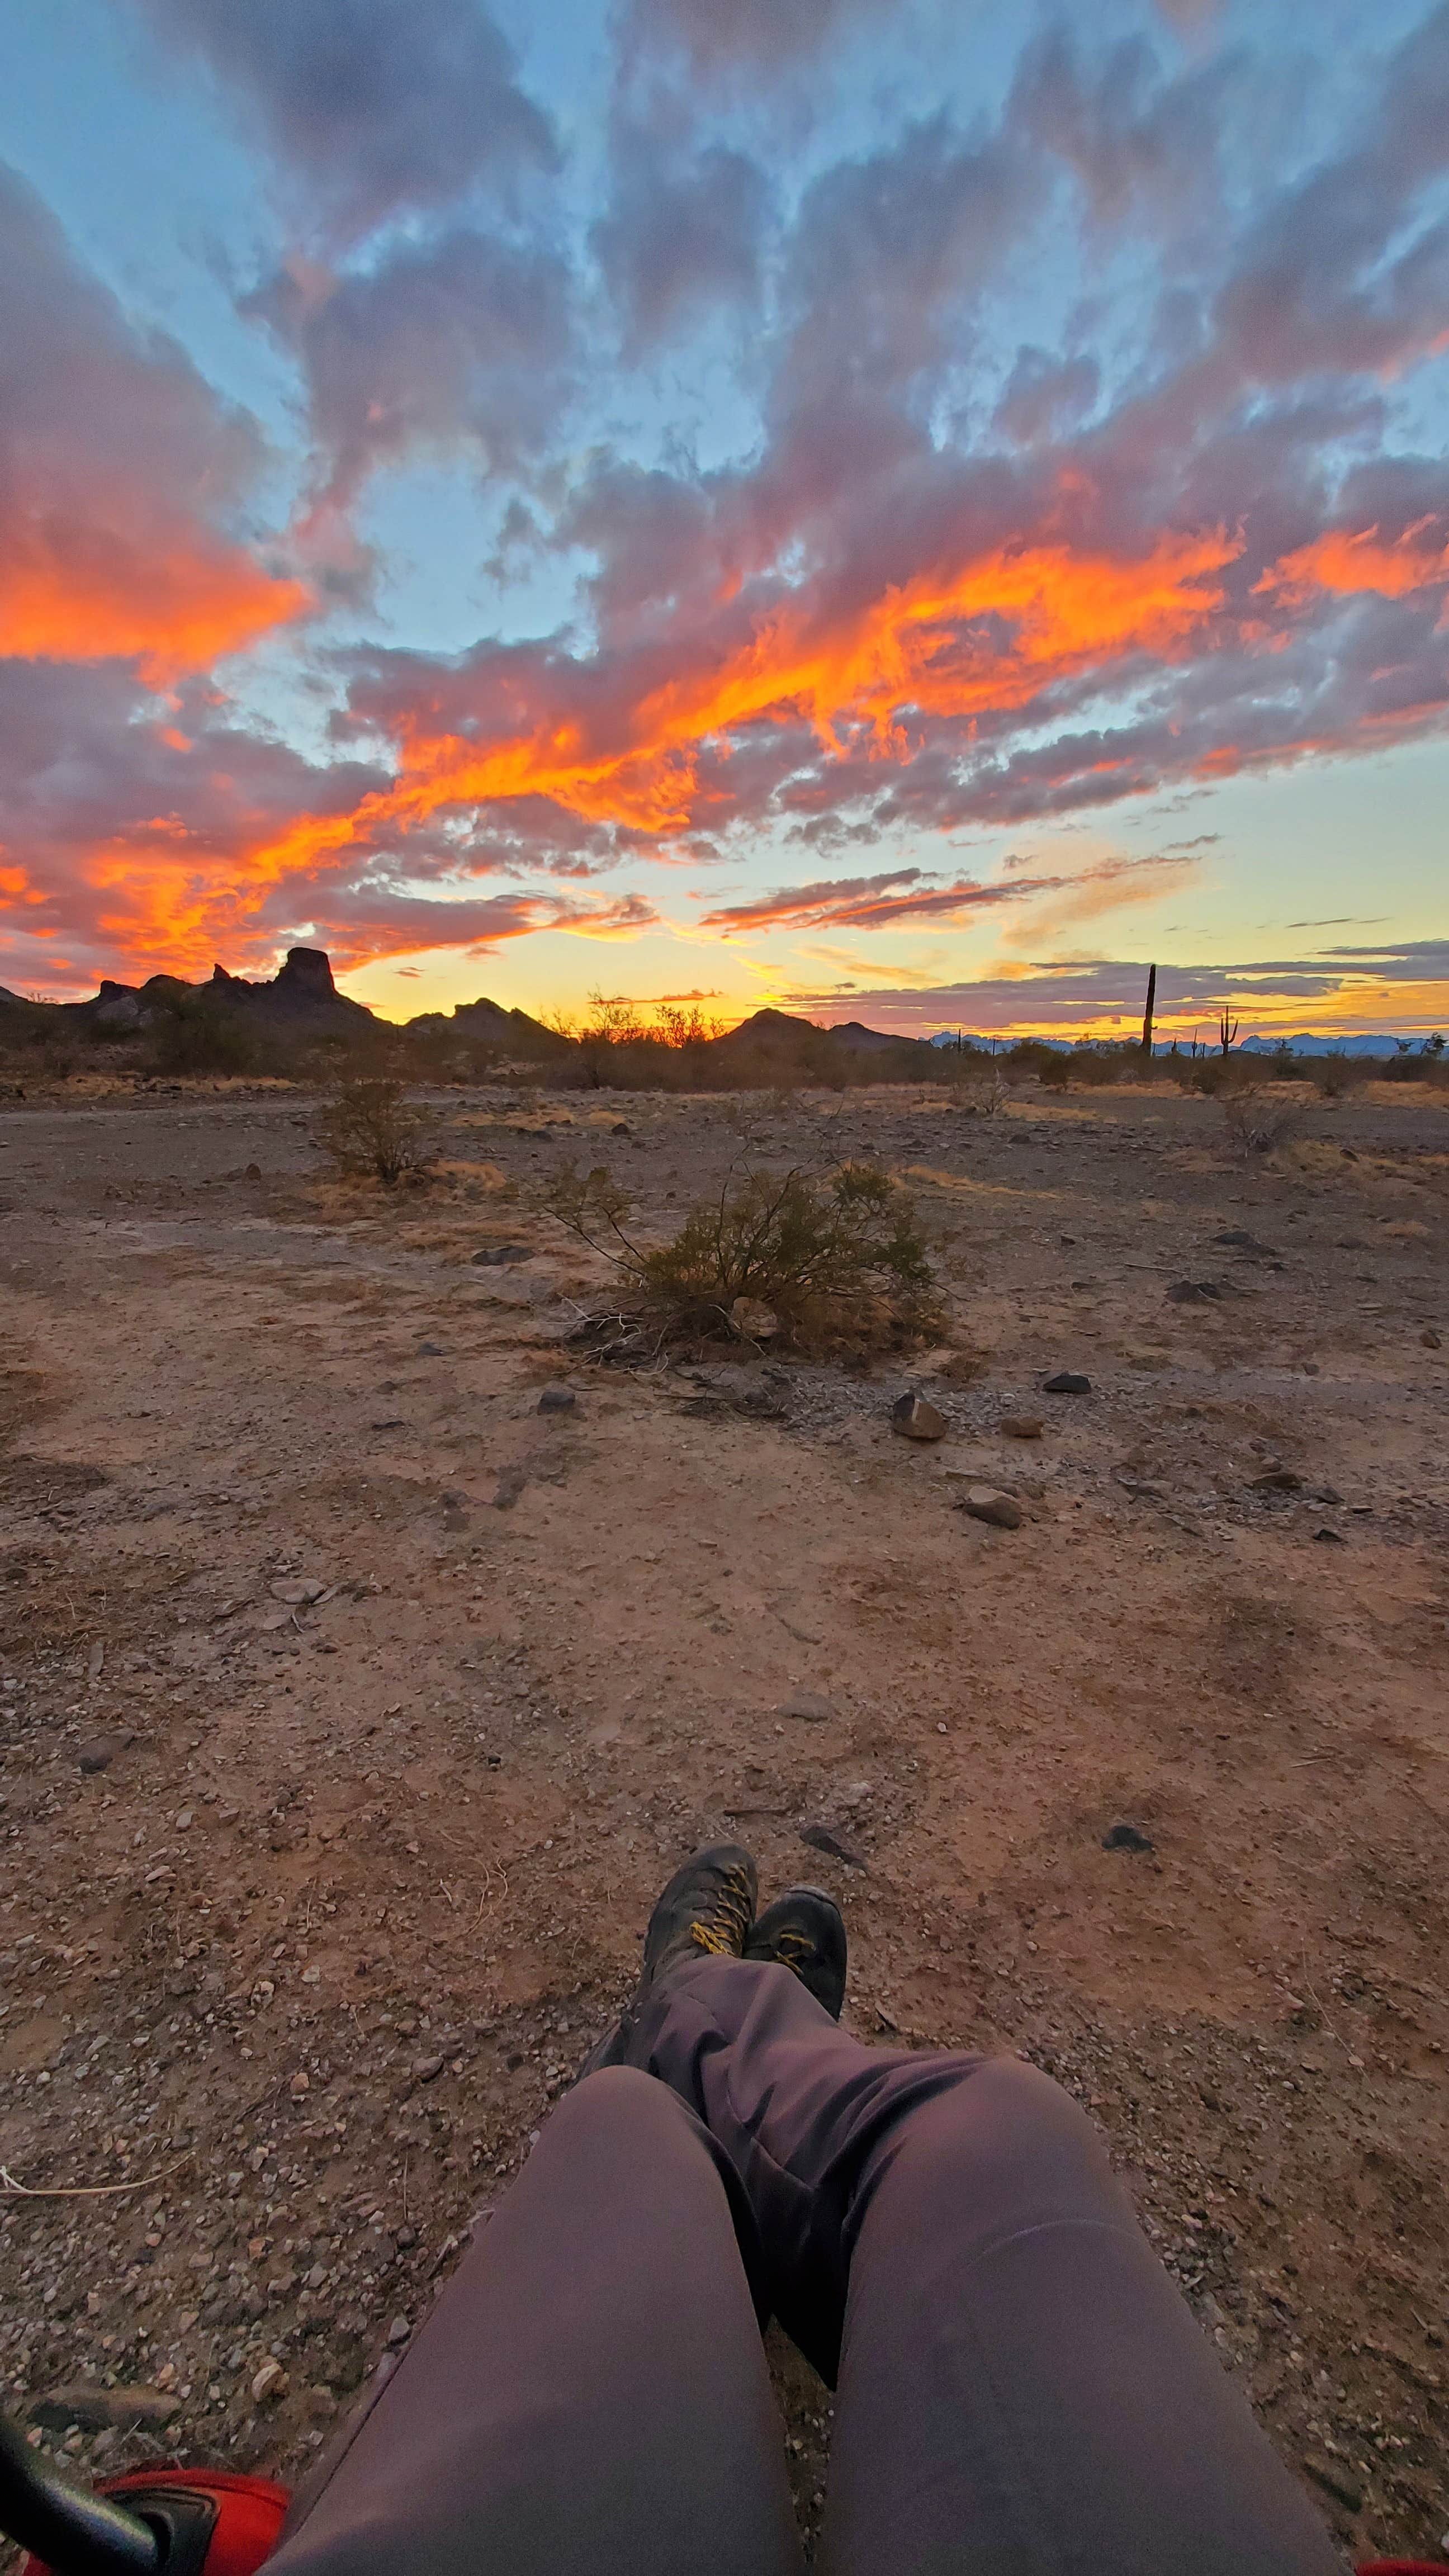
pixel 372 1132
pixel 835 1258
pixel 1257 1121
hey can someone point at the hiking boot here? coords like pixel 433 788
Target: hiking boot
pixel 707 1908
pixel 804 1931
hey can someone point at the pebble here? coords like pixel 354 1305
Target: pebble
pixel 1021 1426
pixel 824 1838
pixel 1430 1339
pixel 1193 1292
pixel 806 1704
pixel 1126 1838
pixel 557 1399
pixel 998 1510
pixel 426 2068
pixel 499 1256
pixel 1067 1382
pixel 270 2382
pixel 916 1418
pixel 398 2331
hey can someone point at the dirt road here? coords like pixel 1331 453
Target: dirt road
pixel 353 1710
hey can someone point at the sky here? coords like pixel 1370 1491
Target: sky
pixel 903 512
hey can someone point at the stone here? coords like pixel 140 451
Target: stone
pixel 915 1418
pixel 753 1320
pixel 501 1256
pixel 510 1485
pixel 1193 1292
pixel 254 1171
pixel 1067 1382
pixel 557 1399
pixel 1336 2479
pixel 1430 1339
pixel 1021 1426
pixel 269 2383
pixel 1277 1480
pixel 96 2410
pixel 426 2068
pixel 1330 1537
pixel 806 1704
pixel 399 2331
pixel 824 1838
pixel 431 1351
pixel 298 1594
pixel 986 1503
pixel 1129 1838
pixel 99 1753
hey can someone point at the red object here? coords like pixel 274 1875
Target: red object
pixel 249 2514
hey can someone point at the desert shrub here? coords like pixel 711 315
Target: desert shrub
pixel 1332 1076
pixel 191 1034
pixel 835 1260
pixel 372 1131
pixel 1257 1122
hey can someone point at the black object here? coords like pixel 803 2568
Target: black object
pixel 804 1930
pixel 1067 1382
pixel 76 2534
pixel 1126 1838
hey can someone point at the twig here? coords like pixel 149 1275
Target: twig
pixel 82 2190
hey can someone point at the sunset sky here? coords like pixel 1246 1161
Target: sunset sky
pixel 900 512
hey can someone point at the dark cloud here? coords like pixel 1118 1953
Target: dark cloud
pixel 718 44
pixel 371 110
pixel 903 896
pixel 681 235
pixel 124 478
pixel 464 340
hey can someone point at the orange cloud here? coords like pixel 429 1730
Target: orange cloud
pixel 72 594
pixel 1344 562
pixel 989 636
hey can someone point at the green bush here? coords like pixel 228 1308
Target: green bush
pixel 836 1258
pixel 372 1132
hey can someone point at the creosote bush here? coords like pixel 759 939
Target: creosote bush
pixel 372 1132
pixel 1257 1121
pixel 835 1257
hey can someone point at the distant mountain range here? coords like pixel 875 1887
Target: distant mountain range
pixel 1307 1042
pixel 303 997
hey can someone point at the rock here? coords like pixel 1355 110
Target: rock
pixel 1430 1339
pixel 1330 1537
pixel 1067 1382
pixel 986 1503
pixel 1277 1480
pixel 301 2083
pixel 1021 1426
pixel 501 1256
pixel 1193 1292
pixel 431 1351
pixel 1127 1838
pixel 823 1838
pixel 915 1418
pixel 254 1171
pixel 1336 2479
pixel 621 1127
pixel 510 1485
pixel 269 2383
pixel 100 1753
pixel 557 1399
pixel 297 1594
pixel 97 2410
pixel 426 2068
pixel 806 1704
pixel 398 2331
pixel 753 1320
pixel 1238 1239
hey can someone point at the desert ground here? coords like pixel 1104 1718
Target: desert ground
pixel 354 1709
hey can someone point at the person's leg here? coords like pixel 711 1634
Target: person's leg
pixel 590 2391
pixel 1021 2389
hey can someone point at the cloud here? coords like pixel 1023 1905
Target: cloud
pixel 902 896
pixel 123 477
pixel 717 45
pixel 682 235
pixel 372 111
pixel 461 340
